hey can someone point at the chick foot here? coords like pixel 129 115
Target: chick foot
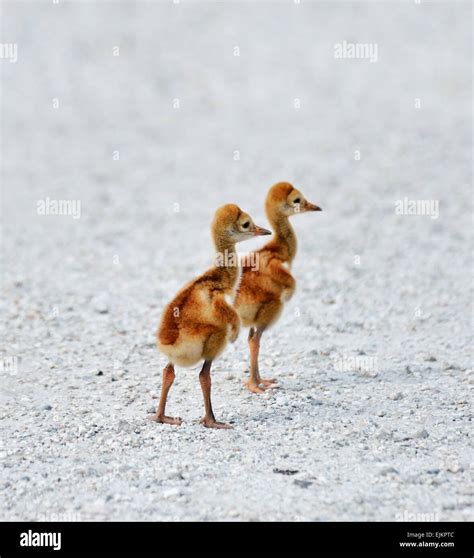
pixel 268 382
pixel 212 423
pixel 259 387
pixel 177 421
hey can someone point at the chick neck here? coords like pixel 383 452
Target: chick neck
pixel 285 237
pixel 227 263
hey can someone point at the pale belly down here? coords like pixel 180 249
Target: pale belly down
pixel 187 351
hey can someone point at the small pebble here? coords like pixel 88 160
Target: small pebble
pixel 385 470
pixel 423 433
pixel 100 305
pixel 302 483
pixel 171 493
pixel 286 471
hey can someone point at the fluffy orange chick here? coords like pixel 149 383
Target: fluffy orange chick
pixel 265 288
pixel 197 324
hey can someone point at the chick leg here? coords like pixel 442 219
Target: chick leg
pixel 168 379
pixel 256 380
pixel 209 419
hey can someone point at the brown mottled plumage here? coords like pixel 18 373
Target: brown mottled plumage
pixel 197 324
pixel 264 289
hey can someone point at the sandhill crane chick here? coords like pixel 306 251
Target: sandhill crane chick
pixel 197 324
pixel 263 292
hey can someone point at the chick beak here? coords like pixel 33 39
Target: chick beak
pixel 260 231
pixel 312 207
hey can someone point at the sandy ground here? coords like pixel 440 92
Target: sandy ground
pixel 373 415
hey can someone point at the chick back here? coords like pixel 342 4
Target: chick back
pixel 168 331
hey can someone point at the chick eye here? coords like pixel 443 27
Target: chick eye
pixel 297 200
pixel 246 225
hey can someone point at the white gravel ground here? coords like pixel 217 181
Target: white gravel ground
pixel 373 416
